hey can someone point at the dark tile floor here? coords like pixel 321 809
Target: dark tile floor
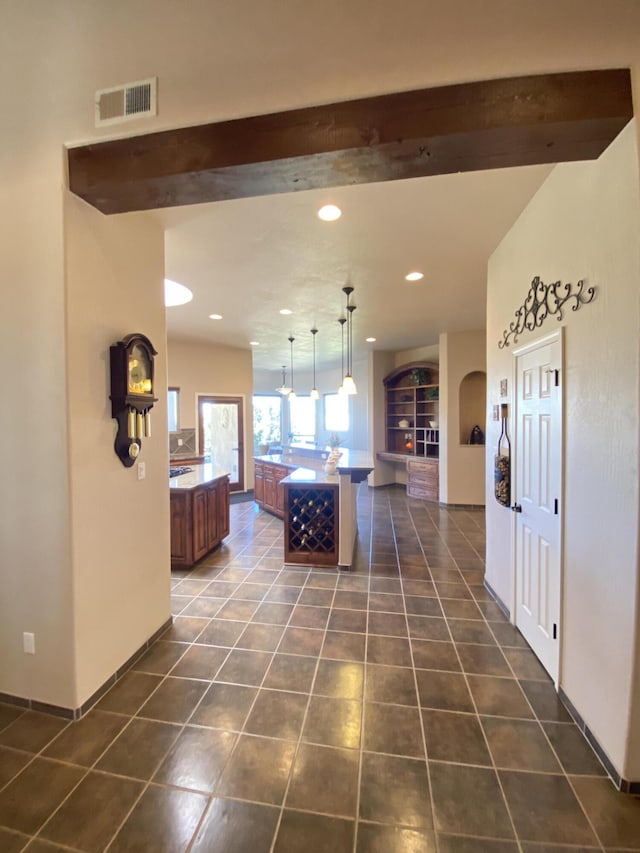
pixel 390 710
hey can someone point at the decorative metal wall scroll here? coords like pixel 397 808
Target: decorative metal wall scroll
pixel 543 300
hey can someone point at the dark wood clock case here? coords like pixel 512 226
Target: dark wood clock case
pixel 131 408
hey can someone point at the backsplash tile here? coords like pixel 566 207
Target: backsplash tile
pixel 188 446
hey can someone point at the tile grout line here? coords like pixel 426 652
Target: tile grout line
pixel 364 692
pixel 477 715
pixel 304 720
pixel 415 684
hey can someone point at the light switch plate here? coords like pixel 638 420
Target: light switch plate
pixel 142 470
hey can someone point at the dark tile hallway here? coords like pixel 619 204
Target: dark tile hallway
pixel 389 710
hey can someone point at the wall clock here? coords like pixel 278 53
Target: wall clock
pixel 132 387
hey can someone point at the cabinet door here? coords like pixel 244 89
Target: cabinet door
pixel 223 508
pixel 212 516
pixel 200 542
pixel 280 474
pixel 258 489
pixel 269 489
pixel 179 527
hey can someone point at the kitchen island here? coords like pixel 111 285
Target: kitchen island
pixel 318 509
pixel 199 512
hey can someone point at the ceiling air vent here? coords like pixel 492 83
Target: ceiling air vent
pixel 123 103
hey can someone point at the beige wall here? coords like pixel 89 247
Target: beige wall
pixel 462 466
pixel 197 368
pixel 119 524
pixel 35 549
pixel 427 353
pixel 380 364
pixel 584 223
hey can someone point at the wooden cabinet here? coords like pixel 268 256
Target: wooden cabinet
pixel 268 490
pixel 199 520
pixel 412 417
pixel 412 424
pixel 258 486
pixel 422 479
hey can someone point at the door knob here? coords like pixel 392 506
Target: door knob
pixel 516 508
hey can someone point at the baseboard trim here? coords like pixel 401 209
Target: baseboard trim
pixel 77 713
pixel 461 506
pixel 497 598
pixel 625 786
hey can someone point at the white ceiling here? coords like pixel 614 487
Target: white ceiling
pixel 248 258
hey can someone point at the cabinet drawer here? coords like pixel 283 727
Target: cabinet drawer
pixel 423 491
pixel 417 469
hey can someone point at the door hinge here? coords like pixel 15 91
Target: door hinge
pixel 555 631
pixel 555 506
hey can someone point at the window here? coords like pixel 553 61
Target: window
pixel 336 412
pixel 173 409
pixel 267 420
pixel 302 419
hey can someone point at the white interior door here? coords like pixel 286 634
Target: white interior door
pixel 538 467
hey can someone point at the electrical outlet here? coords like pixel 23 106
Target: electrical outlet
pixel 142 470
pixel 29 643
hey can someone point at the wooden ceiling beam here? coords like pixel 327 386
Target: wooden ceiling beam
pixel 492 124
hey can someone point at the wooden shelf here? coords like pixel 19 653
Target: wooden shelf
pixel 419 404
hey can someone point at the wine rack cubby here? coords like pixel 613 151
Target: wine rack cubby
pixel 311 528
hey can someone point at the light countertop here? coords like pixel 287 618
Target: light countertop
pixel 313 476
pixel 198 476
pixel 350 460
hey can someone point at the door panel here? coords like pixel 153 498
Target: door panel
pixel 538 455
pixel 221 435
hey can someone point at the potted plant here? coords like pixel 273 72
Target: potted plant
pixel 334 442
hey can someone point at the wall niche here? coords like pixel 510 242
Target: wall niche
pixel 472 406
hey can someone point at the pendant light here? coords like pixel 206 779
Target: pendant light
pixel 348 383
pixel 315 395
pixel 342 321
pixel 284 388
pixel 292 393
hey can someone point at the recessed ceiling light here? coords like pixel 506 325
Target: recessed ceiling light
pixel 414 276
pixel 215 316
pixel 330 212
pixel 254 343
pixel 176 294
pixel 370 340
pixel 285 311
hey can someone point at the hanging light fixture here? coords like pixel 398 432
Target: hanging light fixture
pixel 284 388
pixel 348 383
pixel 342 321
pixel 315 395
pixel 292 393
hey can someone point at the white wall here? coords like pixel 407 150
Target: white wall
pixel 119 524
pixel 462 466
pixel 583 224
